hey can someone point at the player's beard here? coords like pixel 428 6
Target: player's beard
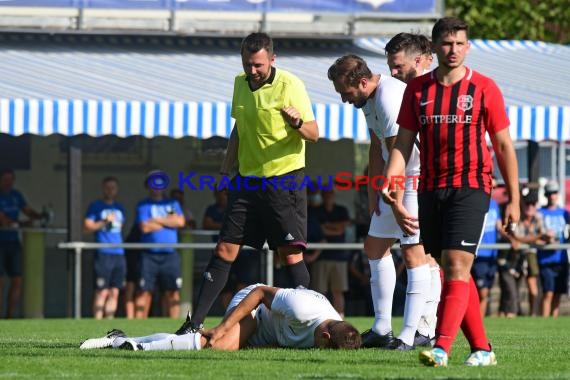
pixel 255 78
pixel 409 75
pixel 360 101
pixel 258 79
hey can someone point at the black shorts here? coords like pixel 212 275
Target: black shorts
pixel 452 219
pixel 278 215
pixel 11 258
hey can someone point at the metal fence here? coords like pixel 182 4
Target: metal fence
pixel 80 246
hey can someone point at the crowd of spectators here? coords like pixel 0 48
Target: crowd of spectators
pixel 522 280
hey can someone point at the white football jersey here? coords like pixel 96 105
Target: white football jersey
pixel 381 113
pixel 293 318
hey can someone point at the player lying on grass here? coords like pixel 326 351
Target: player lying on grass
pixel 257 316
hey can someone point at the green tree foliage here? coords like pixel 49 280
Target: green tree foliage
pixel 545 20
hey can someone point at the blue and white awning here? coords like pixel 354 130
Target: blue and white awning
pixel 527 72
pixel 207 119
pixel 120 118
pixel 182 87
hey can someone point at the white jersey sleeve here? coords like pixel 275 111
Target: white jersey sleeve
pixel 382 110
pixel 296 313
pixel 381 113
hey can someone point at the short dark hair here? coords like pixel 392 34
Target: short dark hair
pixel 345 336
pixel 410 43
pixel 349 69
pixel 256 42
pixel 110 179
pixel 448 25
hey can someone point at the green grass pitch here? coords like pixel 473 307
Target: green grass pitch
pixel 526 348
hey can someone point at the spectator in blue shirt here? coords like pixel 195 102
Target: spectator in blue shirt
pixel 159 219
pixel 484 267
pixel 553 264
pixel 105 218
pixel 12 202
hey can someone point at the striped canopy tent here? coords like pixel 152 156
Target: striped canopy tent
pixel 167 86
pixel 203 120
pixel 181 87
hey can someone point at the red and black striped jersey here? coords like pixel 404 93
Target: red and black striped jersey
pixel 452 122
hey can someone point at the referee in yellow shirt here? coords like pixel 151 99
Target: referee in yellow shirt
pixel 274 117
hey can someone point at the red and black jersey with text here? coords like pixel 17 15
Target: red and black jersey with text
pixel 452 122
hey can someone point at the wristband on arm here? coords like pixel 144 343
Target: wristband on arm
pixel 299 124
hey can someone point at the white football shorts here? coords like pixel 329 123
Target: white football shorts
pixel 385 226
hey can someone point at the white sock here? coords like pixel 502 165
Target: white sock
pixel 151 338
pixel 419 279
pixel 428 321
pixel 189 341
pixel 382 284
pixel 117 342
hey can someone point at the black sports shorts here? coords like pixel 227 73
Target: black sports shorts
pixel 258 212
pixel 452 219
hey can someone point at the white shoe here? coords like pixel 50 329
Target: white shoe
pixel 481 358
pixel 103 342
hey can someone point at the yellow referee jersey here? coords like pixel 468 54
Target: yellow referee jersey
pixel 268 146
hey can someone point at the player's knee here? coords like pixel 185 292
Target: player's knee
pixel 291 257
pixel 414 259
pixel 227 251
pixel 376 248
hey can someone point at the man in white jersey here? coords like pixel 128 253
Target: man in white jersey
pixel 257 316
pixel 410 55
pixel 380 97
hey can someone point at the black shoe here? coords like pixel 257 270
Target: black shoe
pixel 188 327
pixel 371 339
pixel 422 340
pixel 131 345
pixel 116 333
pixel 400 345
